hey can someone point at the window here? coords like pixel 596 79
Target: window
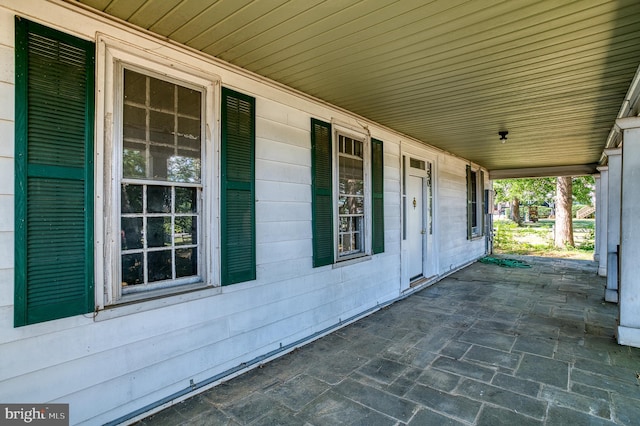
pixel 475 214
pixel 161 185
pixel 54 174
pixel 351 204
pixel 355 175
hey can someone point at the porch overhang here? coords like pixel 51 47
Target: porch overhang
pixel 449 74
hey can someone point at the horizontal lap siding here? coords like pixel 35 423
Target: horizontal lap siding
pixel 454 248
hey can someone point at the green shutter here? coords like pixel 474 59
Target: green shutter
pixel 484 207
pixel 377 194
pixel 321 193
pixel 238 241
pixel 469 204
pixel 54 101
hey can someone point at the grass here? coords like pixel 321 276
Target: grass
pixel 536 239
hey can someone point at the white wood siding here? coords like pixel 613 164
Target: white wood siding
pixel 124 359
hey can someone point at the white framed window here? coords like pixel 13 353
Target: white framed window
pixel 352 189
pixel 475 203
pixel 158 196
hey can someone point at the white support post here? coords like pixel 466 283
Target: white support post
pixel 597 236
pixel 629 328
pixel 613 222
pixel 602 214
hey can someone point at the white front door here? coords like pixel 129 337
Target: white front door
pixel 416 231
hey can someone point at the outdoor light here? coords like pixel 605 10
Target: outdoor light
pixel 503 135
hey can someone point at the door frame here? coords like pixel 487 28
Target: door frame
pixel 430 243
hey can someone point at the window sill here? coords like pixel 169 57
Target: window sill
pixel 143 302
pixel 476 237
pixel 352 261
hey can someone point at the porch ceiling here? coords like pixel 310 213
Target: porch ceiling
pixel 450 73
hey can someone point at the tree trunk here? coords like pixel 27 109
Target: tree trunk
pixel 515 211
pixel 564 223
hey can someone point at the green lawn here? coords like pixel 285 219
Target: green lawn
pixel 537 239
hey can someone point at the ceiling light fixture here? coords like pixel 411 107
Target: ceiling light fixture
pixel 503 135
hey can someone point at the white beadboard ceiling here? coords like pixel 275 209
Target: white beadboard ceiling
pixel 451 73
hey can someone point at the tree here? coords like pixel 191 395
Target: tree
pixel 528 191
pixel 564 224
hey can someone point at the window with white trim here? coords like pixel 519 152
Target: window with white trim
pixel 351 196
pixel 161 185
pixel 158 177
pixel 475 194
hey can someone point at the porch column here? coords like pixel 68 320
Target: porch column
pixel 596 242
pixel 629 329
pixel 601 213
pixel 613 222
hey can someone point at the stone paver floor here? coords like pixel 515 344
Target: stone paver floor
pixel 485 346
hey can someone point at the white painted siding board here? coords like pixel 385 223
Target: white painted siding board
pixel 283 250
pixel 7 25
pixel 7 65
pixel 269 232
pixel 6 250
pixel 6 210
pixel 280 211
pixel 281 152
pixel 299 120
pixel 282 191
pixel 6 291
pixel 7 143
pixel 274 272
pixel 281 172
pixel 282 132
pixel 6 106
pixel 272 111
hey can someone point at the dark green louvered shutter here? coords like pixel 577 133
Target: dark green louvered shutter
pixel 377 193
pixel 484 206
pixel 54 174
pixel 238 188
pixel 321 193
pixel 469 205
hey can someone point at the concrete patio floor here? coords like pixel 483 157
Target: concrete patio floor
pixel 484 346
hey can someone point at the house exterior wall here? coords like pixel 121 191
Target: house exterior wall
pixel 121 359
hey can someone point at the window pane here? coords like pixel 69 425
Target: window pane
pixel 135 87
pixel 183 169
pixel 189 133
pixel 131 198
pixel 159 267
pixel 186 201
pixel 186 262
pixel 161 127
pixel 135 122
pixel 133 162
pixel 132 269
pixel 185 230
pixel 351 205
pixel 158 231
pixel 131 233
pixel 161 94
pixel 158 199
pixel 189 102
